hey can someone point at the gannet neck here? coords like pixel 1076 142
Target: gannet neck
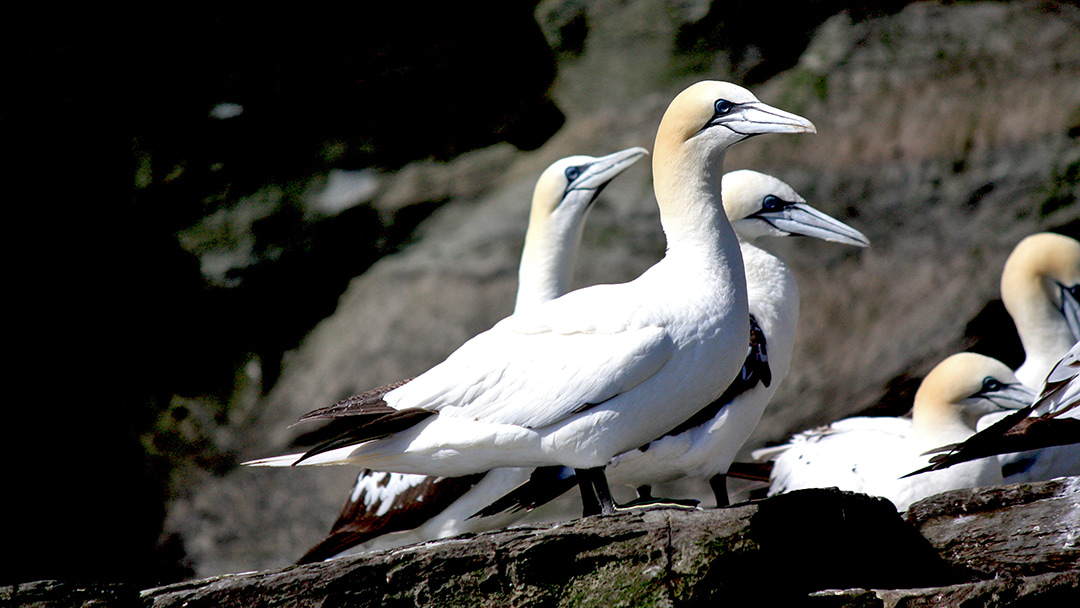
pixel 1038 285
pixel 701 123
pixel 563 195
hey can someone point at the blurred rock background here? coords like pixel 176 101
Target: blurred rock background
pixel 233 217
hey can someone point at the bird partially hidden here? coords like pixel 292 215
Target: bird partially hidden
pixel 1040 285
pixel 1052 420
pixel 872 454
pixel 579 379
pixel 422 507
pixel 757 205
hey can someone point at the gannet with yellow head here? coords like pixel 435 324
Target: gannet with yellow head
pixel 421 507
pixel 871 455
pixel 600 370
pixel 757 205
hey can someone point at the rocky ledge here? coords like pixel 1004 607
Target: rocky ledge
pixel 1006 545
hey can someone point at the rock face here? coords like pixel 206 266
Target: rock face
pixel 947 132
pixel 920 145
pixel 795 549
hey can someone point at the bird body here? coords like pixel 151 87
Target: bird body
pixel 871 455
pixel 384 503
pixel 1040 284
pixel 757 206
pixel 579 379
pixel 1051 425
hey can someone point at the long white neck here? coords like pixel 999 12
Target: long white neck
pixel 1045 336
pixel 692 214
pixel 547 260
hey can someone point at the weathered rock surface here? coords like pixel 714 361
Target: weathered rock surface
pixel 921 146
pixel 795 549
pixel 947 132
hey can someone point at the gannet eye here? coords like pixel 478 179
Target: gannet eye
pixel 723 106
pixel 771 203
pixel 573 173
pixel 990 385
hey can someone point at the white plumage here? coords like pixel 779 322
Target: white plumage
pixel 1039 287
pixel 383 503
pixel 603 369
pixel 871 455
pixel 758 206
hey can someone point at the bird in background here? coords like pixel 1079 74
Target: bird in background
pixel 422 507
pixel 1040 287
pixel 600 370
pixel 1052 420
pixel 758 206
pixel 872 455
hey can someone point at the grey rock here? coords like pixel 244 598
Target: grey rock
pixel 1005 531
pixel 946 134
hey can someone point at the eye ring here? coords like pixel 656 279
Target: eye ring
pixel 723 106
pixel 771 202
pixel 991 384
pixel 572 173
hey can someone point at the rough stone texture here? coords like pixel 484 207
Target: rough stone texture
pixel 657 557
pixel 922 145
pixel 1005 531
pixel 1051 590
pixel 822 547
pixel 54 594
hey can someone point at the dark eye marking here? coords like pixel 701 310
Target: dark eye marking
pixel 772 203
pixel 573 173
pixel 723 106
pixel 991 384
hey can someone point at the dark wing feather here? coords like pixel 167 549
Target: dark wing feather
pixel 358 523
pixel 386 424
pixel 1016 432
pixel 544 485
pixel 368 403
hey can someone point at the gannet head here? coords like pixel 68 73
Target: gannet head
pixel 569 186
pixel 965 387
pixel 562 197
pixel 721 114
pixel 700 124
pixel 761 205
pixel 1040 286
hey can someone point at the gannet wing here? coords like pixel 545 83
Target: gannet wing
pixel 535 377
pixel 382 503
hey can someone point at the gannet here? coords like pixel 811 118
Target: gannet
pixel 1040 285
pixel 704 446
pixel 437 507
pixel 1052 420
pixel 598 371
pixel 870 455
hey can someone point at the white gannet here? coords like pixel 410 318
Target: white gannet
pixel 704 446
pixel 437 507
pixel 1040 284
pixel 1052 420
pixel 870 455
pixel 598 371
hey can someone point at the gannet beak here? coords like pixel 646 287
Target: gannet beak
pixel 755 118
pixel 1010 396
pixel 1071 309
pixel 802 219
pixel 600 172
